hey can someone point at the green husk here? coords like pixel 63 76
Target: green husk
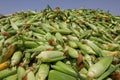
pixel 42 72
pixel 53 74
pixel 98 68
pixel 51 56
pixel 7 72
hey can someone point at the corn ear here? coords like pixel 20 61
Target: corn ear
pixel 9 53
pixel 4 65
pixel 55 25
pixel 72 44
pixel 56 75
pixel 40 48
pixel 72 52
pixel 42 72
pixel 26 59
pixel 45 26
pixel 26 44
pixel 109 71
pixel 7 72
pixel 62 31
pixel 85 48
pixel 16 58
pixel 10 40
pixel 20 72
pixel 88 59
pixel 62 67
pixel 51 56
pixel 63 25
pixel 30 76
pixel 84 34
pixel 94 47
pixel 37 30
pixel 11 77
pixel 59 37
pixel 1 45
pixel 98 68
pixel 72 38
pixel 14 26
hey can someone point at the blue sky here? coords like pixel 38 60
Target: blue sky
pixel 11 6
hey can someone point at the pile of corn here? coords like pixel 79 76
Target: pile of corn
pixel 54 44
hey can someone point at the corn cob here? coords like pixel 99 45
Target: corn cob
pixel 4 65
pixel 9 53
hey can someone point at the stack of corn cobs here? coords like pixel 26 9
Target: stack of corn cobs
pixel 54 44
